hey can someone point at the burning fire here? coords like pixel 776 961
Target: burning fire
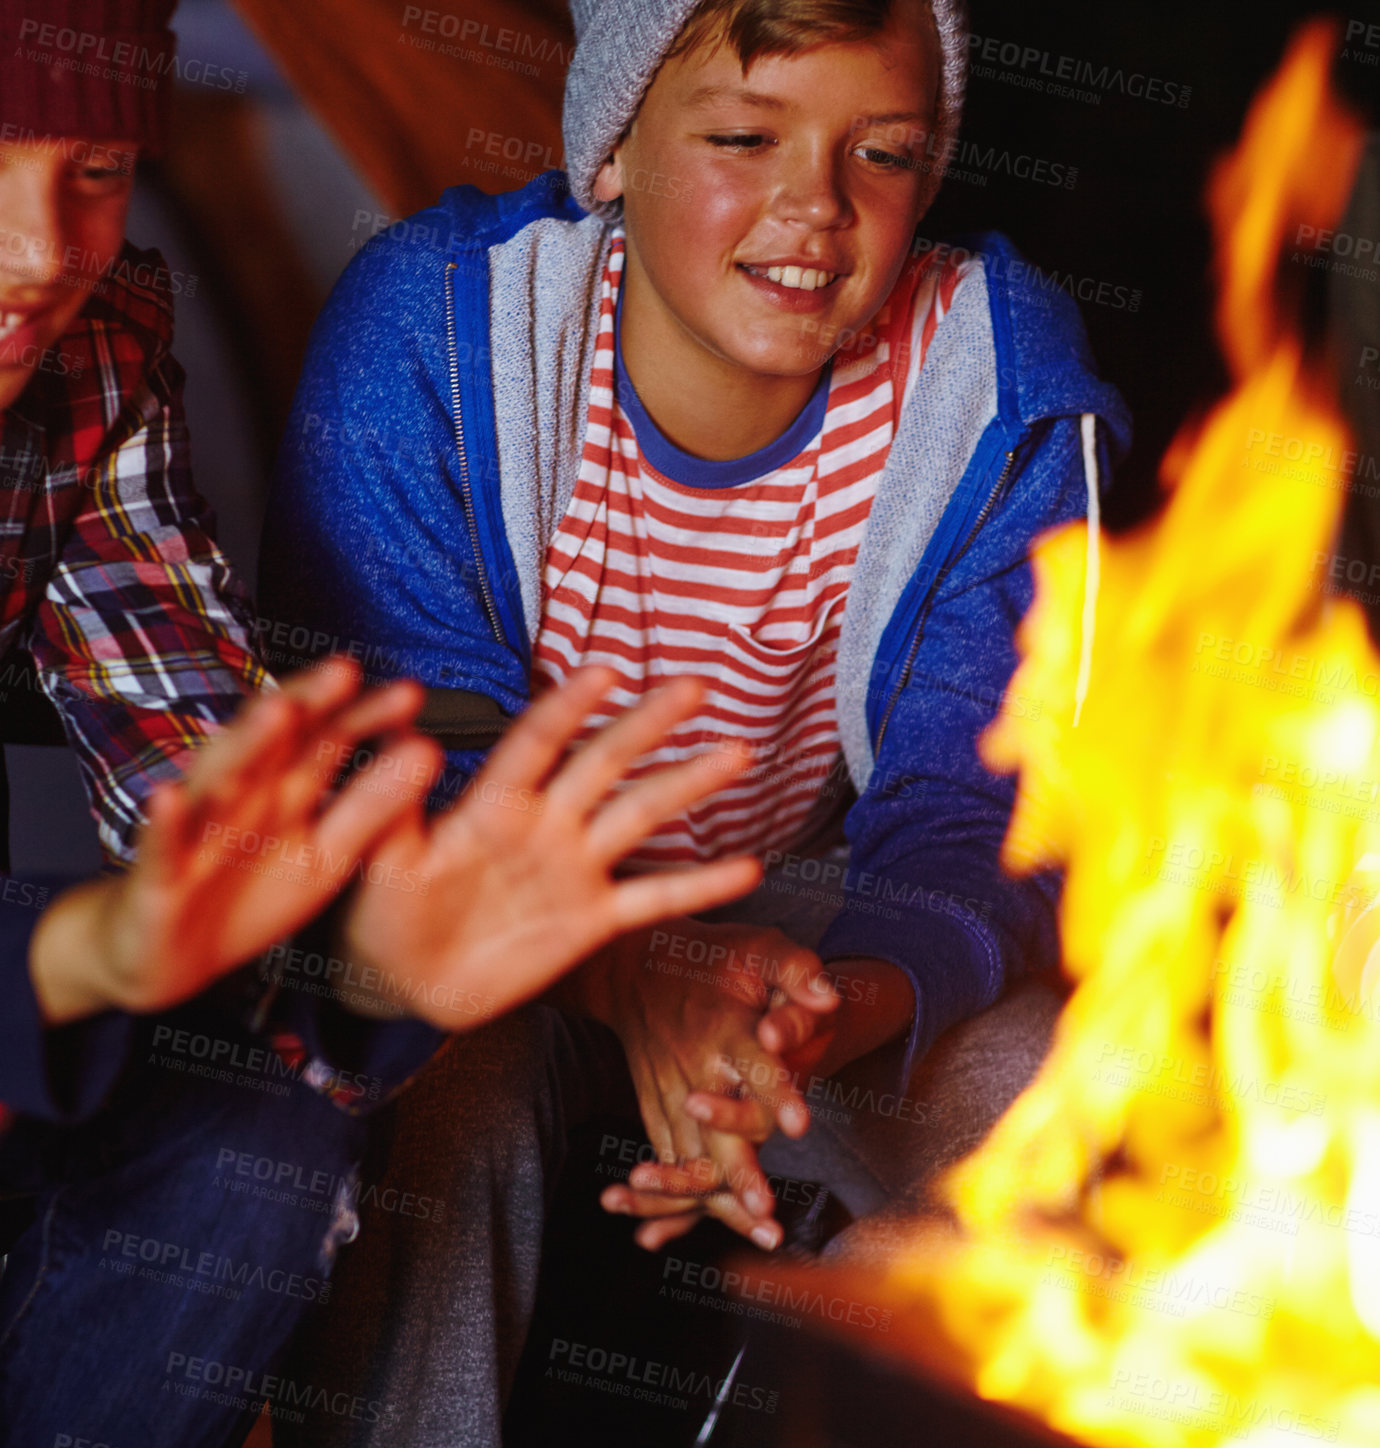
pixel 1173 1238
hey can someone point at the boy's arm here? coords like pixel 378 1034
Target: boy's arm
pixel 143 638
pixel 926 891
pixel 470 913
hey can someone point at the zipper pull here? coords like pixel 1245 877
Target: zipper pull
pixel 1007 473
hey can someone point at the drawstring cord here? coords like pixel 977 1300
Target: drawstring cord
pixel 1094 566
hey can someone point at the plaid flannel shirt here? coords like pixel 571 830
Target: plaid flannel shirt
pixel 141 634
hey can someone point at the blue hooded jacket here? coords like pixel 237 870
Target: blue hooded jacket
pixel 433 446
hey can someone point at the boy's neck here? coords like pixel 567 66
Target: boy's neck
pixel 714 410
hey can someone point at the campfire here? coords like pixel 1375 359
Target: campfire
pixel 1174 1235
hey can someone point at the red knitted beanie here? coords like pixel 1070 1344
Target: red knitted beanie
pixel 97 68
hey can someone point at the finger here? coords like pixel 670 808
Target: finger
pixel 766 1082
pixel 742 1173
pixel 728 1075
pixel 406 766
pixel 374 800
pixel 687 1141
pixel 166 833
pixel 321 758
pixel 753 1117
pixel 645 899
pixel 726 1113
pixel 589 776
pixel 324 687
pixel 730 1211
pixel 699 1177
pixel 788 1027
pixel 669 1217
pixel 264 725
pixel 652 1107
pixel 799 975
pixel 380 711
pixel 535 745
pixel 653 1236
pixel 629 1202
pixel 710 1184
pixel 633 815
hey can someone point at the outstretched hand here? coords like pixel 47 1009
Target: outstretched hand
pixel 519 875
pixel 249 847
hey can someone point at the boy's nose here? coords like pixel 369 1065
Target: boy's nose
pixel 812 192
pixel 31 230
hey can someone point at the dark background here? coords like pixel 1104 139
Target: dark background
pixel 1136 216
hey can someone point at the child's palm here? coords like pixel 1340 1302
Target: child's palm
pixel 481 910
pixel 241 854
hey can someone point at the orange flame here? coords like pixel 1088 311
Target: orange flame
pixel 1173 1237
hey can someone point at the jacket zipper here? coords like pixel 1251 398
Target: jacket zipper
pixel 998 488
pixel 459 428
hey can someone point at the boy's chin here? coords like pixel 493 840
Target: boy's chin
pixel 782 364
pixel 798 351
pixel 799 371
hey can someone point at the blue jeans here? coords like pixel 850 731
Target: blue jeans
pixel 177 1240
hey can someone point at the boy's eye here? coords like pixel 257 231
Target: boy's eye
pixel 879 156
pixel 739 142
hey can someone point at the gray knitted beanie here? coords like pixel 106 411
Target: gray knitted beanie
pixel 620 46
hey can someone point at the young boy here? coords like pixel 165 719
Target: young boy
pixel 706 405
pixel 110 578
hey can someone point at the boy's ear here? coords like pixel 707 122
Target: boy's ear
pixel 608 180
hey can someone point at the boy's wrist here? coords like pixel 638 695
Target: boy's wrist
pixel 360 986
pixel 877 1004
pixel 69 954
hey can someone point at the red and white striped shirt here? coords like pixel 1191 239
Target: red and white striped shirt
pixel 736 572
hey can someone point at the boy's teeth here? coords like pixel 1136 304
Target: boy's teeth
pixel 804 279
pixel 9 321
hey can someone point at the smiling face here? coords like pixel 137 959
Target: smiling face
pixel 769 215
pixel 63 203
